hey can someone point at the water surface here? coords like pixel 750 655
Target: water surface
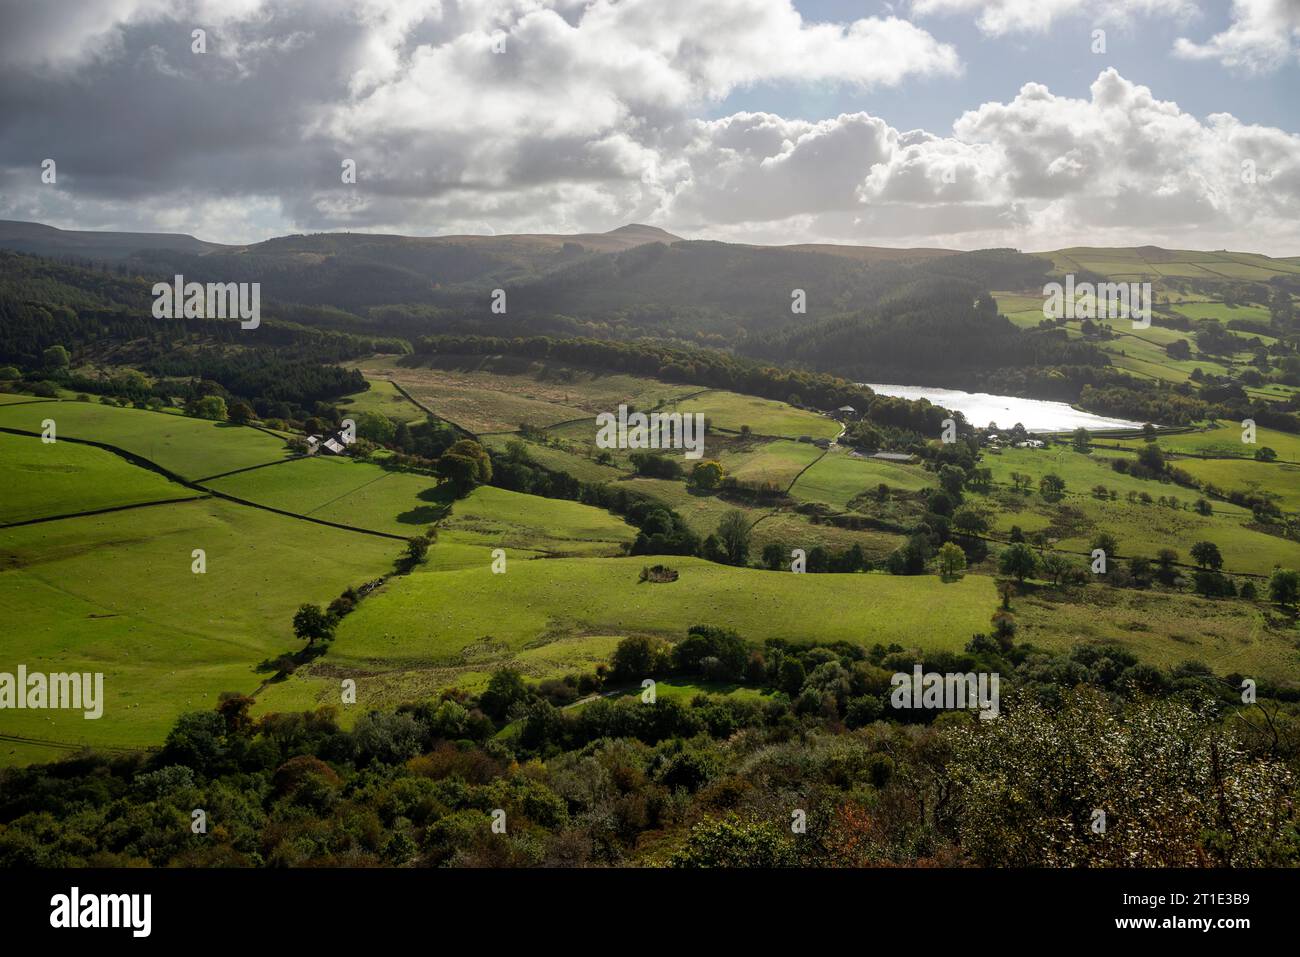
pixel 981 408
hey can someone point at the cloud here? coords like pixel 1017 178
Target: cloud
pixel 562 115
pixel 1263 35
pixel 1002 17
pixel 478 109
pixel 1040 171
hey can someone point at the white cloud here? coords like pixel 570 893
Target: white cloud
pixel 1001 17
pixel 1040 171
pixel 592 117
pixel 1263 35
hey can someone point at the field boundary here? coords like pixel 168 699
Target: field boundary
pixel 141 461
pixel 104 511
pixel 428 411
pixel 250 468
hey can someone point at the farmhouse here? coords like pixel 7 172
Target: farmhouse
pixel 335 444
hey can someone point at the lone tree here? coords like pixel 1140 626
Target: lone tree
pixel 1284 587
pixel 464 466
pixel 1019 560
pixel 311 623
pixel 417 548
pixel 952 560
pixel 240 413
pixel 55 358
pixel 1052 487
pixel 733 534
pixel 211 407
pixel 1206 555
pixel 707 475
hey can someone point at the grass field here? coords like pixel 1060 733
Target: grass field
pixel 382 397
pixel 1144 529
pixel 192 448
pixel 1223 440
pixel 731 410
pixel 115 593
pixel 366 496
pixel 1277 479
pixel 679 689
pixel 1162 628
pixel 497 518
pixel 42 480
pixel 775 462
pixel 341 490
pixel 1080 472
pixel 1223 312
pixel 499 393
pixel 839 476
pixel 1152 263
pixel 559 459
pixel 436 628
pixel 793 530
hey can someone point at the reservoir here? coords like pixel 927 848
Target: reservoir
pixel 981 408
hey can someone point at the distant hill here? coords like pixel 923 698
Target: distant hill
pixel 873 254
pixel 630 281
pixel 634 280
pixel 42 240
pixel 1154 264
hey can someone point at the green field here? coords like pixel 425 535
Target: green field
pixel 341 490
pixel 115 593
pixel 496 518
pixel 382 397
pixel 41 480
pixel 1223 440
pixel 367 496
pixel 1277 479
pixel 1223 312
pixel 192 448
pixel 1152 263
pixel 731 410
pixel 560 459
pixel 677 689
pixel 839 477
pixel 436 628
pixel 1142 530
pixel 1145 529
pixel 793 530
pixel 499 393
pixel 775 462
pixel 1161 628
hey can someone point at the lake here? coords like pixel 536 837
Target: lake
pixel 981 408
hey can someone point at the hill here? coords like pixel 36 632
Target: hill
pixel 106 246
pixel 1154 264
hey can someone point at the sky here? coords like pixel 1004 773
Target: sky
pixel 1033 124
